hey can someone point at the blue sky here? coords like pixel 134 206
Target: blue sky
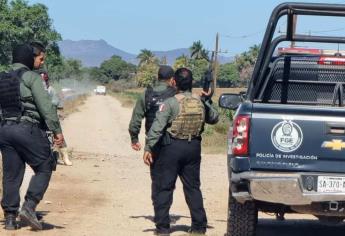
pixel 132 25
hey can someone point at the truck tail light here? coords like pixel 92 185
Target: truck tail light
pixel 240 139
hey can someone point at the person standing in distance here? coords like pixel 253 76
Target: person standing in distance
pixel 148 103
pixel 182 117
pixel 26 111
pixel 62 151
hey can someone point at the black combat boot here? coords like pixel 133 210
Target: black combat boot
pixel 28 215
pixel 162 232
pixel 10 221
pixel 197 231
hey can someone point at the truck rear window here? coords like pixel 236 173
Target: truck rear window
pixel 304 80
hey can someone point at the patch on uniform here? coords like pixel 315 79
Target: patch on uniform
pixel 162 107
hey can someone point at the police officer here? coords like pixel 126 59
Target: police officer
pixel 182 117
pixel 62 151
pixel 148 103
pixel 26 111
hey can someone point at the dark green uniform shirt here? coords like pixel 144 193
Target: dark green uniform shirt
pixel 139 112
pixel 168 111
pixel 36 101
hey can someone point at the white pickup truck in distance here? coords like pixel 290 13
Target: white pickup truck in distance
pixel 100 90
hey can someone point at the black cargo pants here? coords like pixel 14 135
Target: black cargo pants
pixel 180 158
pixel 22 143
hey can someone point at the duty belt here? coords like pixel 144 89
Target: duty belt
pixel 192 138
pixel 14 122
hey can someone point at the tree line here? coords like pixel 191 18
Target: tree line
pixel 23 23
pixel 233 74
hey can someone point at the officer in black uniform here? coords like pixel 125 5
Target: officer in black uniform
pixel 26 111
pixel 181 118
pixel 148 103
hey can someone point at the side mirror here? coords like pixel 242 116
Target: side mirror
pixel 230 100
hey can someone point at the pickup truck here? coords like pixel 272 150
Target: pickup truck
pixel 287 143
pixel 100 90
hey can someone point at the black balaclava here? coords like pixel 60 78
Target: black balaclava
pixel 23 54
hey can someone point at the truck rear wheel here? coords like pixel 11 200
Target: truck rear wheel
pixel 242 218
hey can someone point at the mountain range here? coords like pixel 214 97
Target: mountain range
pixel 93 52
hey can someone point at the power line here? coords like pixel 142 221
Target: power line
pixel 243 36
pixel 326 31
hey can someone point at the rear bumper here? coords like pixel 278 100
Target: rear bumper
pixel 281 187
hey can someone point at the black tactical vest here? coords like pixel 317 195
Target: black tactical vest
pixel 153 99
pixel 10 100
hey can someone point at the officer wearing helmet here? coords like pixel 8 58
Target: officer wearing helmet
pixel 26 112
pixel 182 118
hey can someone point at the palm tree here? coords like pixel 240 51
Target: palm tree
pixel 197 51
pixel 146 57
pixel 254 52
pixel 181 61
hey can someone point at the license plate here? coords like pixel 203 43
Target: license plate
pixel 331 184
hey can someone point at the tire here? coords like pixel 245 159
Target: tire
pixel 242 218
pixel 330 220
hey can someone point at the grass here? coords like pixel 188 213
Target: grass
pixel 71 106
pixel 127 98
pixel 213 141
pixel 215 136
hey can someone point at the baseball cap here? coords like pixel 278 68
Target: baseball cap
pixel 165 72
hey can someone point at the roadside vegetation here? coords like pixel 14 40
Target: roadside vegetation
pixel 72 105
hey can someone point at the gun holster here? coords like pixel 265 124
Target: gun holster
pixel 166 139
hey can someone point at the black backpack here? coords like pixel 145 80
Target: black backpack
pixel 153 99
pixel 10 100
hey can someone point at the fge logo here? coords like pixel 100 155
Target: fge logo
pixel 287 136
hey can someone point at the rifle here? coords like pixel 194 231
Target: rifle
pixel 208 85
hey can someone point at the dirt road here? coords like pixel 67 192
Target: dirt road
pixel 107 191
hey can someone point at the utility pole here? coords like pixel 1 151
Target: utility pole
pixel 164 60
pixel 215 65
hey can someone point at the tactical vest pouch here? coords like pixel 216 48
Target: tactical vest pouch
pixel 10 99
pixel 189 122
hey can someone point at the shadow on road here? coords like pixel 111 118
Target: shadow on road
pixel 173 220
pixel 297 228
